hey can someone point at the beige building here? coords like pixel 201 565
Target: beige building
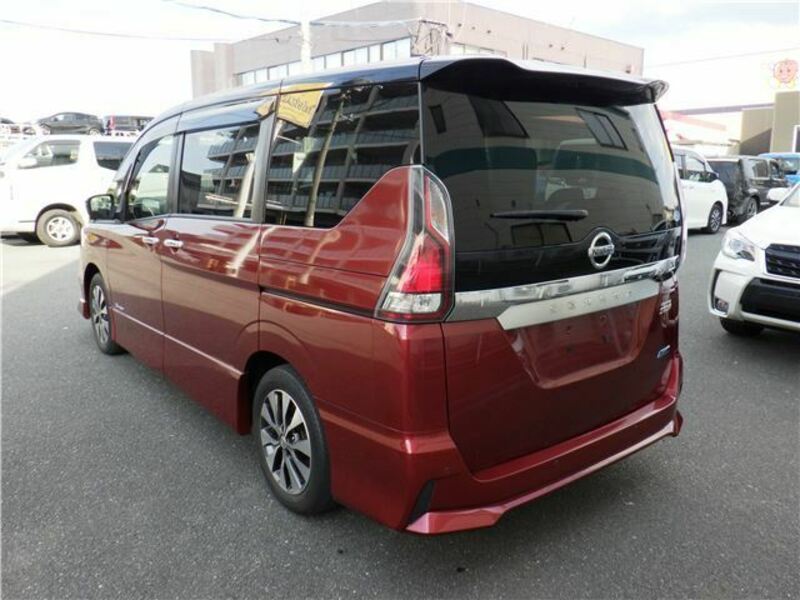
pixel 395 30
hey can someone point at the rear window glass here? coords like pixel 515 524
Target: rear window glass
pixel 109 155
pixel 727 170
pixel 542 156
pixel 580 167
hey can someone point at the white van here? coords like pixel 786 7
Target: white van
pixel 706 201
pixel 45 181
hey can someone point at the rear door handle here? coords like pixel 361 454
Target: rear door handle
pixel 170 243
pixel 150 241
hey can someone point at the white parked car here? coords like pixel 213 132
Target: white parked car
pixel 706 202
pixel 755 282
pixel 45 181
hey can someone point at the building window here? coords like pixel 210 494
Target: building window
pixel 459 49
pixel 349 58
pixel 374 53
pixel 403 48
pixel 333 61
pixel 277 72
pixel 357 56
pixel 389 51
pixel 362 56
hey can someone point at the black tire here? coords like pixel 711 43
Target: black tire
pixel 58 227
pixel 312 494
pixel 750 210
pixel 714 219
pixel 741 328
pixel 94 131
pixel 99 316
pixel 31 238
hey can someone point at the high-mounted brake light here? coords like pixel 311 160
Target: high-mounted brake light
pixel 420 287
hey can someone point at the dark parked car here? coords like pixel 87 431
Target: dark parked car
pixel 71 122
pixel 432 290
pixel 9 126
pixel 124 123
pixel 748 181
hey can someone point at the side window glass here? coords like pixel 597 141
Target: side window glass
pixel 52 154
pixel 217 172
pixel 331 147
pixel 694 169
pixel 775 170
pixel 760 168
pixel 149 188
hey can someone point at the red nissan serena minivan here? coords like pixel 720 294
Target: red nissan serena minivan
pixel 432 290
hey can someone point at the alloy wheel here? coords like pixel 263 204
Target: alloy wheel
pixel 752 209
pixel 99 309
pixel 285 441
pixel 60 229
pixel 715 220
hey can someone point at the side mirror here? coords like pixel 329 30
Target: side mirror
pixel 711 176
pixel 27 162
pixel 101 207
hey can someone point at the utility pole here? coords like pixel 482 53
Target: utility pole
pixel 305 45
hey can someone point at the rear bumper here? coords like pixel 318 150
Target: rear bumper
pixel 422 485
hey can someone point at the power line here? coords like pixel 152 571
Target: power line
pixel 318 23
pixel 220 11
pixel 712 58
pixel 134 36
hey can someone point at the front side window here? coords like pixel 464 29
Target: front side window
pixel 52 154
pixel 148 193
pixel 320 169
pixel 759 168
pixel 109 155
pixel 679 164
pixel 775 170
pixel 217 169
pixel 695 169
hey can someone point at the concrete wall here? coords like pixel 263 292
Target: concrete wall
pixel 756 130
pixel 786 115
pixel 522 38
pixel 463 23
pixel 203 81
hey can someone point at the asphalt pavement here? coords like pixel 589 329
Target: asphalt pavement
pixel 116 485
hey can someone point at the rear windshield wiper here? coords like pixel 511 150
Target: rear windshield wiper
pixel 543 215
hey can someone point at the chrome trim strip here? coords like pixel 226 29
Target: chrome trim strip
pixel 576 305
pixel 486 304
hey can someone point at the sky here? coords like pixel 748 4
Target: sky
pixel 711 52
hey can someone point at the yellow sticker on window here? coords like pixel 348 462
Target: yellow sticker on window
pixel 297 106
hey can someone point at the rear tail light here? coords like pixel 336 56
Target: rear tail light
pixel 420 287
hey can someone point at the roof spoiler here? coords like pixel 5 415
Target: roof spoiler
pixel 531 80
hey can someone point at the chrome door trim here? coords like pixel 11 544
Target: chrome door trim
pixel 538 303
